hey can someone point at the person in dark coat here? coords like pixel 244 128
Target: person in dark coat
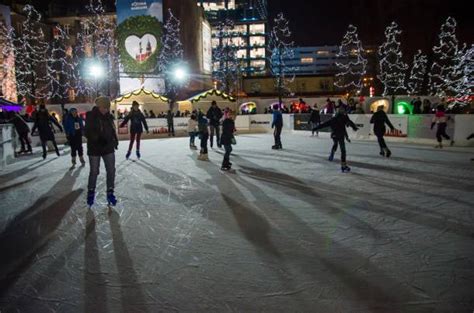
pixel 417 105
pixel 214 115
pixel 170 121
pixel 44 123
pixel 23 130
pixel 74 128
pixel 314 120
pixel 137 122
pixel 101 144
pixel 277 124
pixel 338 126
pixel 379 119
pixel 228 129
pixel 203 125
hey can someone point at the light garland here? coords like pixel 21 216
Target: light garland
pixel 464 85
pixel 8 79
pixel 350 72
pixel 392 67
pixel 417 74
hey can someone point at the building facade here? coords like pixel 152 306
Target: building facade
pixel 249 34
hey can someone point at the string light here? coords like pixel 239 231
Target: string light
pixel 392 67
pixel 8 79
pixel 351 63
pixel 417 74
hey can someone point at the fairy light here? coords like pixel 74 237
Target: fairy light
pixel 351 63
pixel 8 79
pixel 392 67
pixel 417 74
pixel 226 65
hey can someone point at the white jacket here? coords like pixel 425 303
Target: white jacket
pixel 192 125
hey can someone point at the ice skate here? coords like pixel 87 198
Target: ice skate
pixel 345 168
pixel 73 161
pixel 57 152
pixel 388 153
pixel 274 147
pixel 111 200
pixel 331 156
pixel 127 156
pixel 44 156
pixel 226 168
pixel 83 162
pixel 439 146
pixel 382 153
pixel 90 198
pixel 138 155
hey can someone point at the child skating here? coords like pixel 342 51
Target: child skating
pixel 338 126
pixel 227 139
pixel 137 122
pixel 74 127
pixel 441 119
pixel 204 136
pixel 277 124
pixel 379 119
pixel 192 131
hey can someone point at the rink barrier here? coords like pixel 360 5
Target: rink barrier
pixel 7 144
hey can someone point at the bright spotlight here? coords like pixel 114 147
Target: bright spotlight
pixel 96 70
pixel 180 74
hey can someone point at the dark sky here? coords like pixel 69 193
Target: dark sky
pixel 324 22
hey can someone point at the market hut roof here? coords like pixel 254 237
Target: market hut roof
pixel 141 92
pixel 211 92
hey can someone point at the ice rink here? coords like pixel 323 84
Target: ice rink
pixel 285 232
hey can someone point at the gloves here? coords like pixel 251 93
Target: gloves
pixel 432 125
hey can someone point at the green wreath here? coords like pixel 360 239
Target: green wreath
pixel 139 26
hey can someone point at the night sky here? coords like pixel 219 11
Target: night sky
pixel 324 22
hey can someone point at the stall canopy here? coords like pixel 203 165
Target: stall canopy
pixel 148 100
pixel 6 105
pixel 204 99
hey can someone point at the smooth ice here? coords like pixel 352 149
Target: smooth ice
pixel 285 232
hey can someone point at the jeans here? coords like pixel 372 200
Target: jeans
pixel 382 143
pixel 441 132
pixel 94 163
pixel 24 141
pixel 192 137
pixel 204 137
pixel 217 130
pixel 277 135
pixel 228 150
pixel 134 136
pixel 342 143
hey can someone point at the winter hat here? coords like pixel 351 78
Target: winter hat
pixel 72 110
pixel 103 102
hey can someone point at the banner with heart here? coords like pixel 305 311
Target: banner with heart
pixel 141 48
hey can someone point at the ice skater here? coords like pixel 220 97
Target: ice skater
pixel 441 119
pixel 102 142
pixel 137 122
pixel 192 131
pixel 379 119
pixel 277 124
pixel 170 121
pixel 204 136
pixel 44 123
pixel 74 128
pixel 314 120
pixel 469 138
pixel 338 126
pixel 227 139
pixel 23 131
pixel 214 115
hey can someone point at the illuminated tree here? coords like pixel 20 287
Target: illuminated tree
pixel 417 74
pixel 226 68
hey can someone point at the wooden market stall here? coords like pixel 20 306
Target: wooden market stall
pixel 204 100
pixel 148 100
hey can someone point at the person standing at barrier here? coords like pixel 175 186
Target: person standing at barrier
pixel 23 130
pixel 379 119
pixel 441 119
pixel 204 136
pixel 137 122
pixel 338 126
pixel 227 139
pixel 314 120
pixel 102 142
pixel 170 121
pixel 214 115
pixel 277 125
pixel 44 123
pixel 74 128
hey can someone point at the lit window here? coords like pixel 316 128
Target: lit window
pixel 257 53
pixel 307 60
pixel 257 41
pixel 257 29
pixel 322 52
pixel 242 53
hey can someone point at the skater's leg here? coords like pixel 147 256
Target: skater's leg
pixel 192 138
pixel 94 164
pixel 23 140
pixel 43 145
pixel 55 145
pixel 132 141
pixel 218 135
pixel 205 138
pixel 439 133
pixel 138 137
pixel 109 161
pixel 211 135
pixel 342 144
pixel 226 161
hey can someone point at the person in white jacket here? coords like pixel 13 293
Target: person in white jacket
pixel 192 131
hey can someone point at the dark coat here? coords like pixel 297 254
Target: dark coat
pixel 315 117
pixel 338 126
pixel 20 125
pixel 137 119
pixel 169 118
pixel 73 126
pixel 228 128
pixel 44 123
pixel 277 120
pixel 214 114
pixel 100 133
pixel 379 119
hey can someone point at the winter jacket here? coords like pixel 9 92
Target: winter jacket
pixel 136 119
pixel 20 125
pixel 44 123
pixel 170 117
pixel 277 119
pixel 192 125
pixel 439 118
pixel 100 133
pixel 203 124
pixel 379 119
pixel 338 126
pixel 228 128
pixel 214 114
pixel 315 117
pixel 73 126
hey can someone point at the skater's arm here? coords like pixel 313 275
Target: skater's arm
pixel 125 121
pixel 351 124
pixel 470 136
pixel 145 123
pixel 323 125
pixel 372 119
pixel 55 122
pixel 387 121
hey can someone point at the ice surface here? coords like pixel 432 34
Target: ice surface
pixel 287 232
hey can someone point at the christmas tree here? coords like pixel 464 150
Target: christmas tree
pixel 280 48
pixel 392 67
pixel 417 74
pixel 351 63
pixel 7 72
pixel 464 72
